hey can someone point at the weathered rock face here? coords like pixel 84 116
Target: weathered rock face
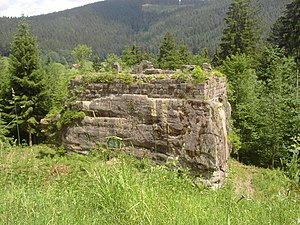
pixel 160 120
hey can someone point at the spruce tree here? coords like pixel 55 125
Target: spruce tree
pixel 24 103
pixel 4 76
pixel 3 86
pixel 241 32
pixel 133 55
pixel 184 55
pixel 168 54
pixel 286 30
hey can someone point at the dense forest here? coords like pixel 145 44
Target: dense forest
pixel 262 68
pixel 110 25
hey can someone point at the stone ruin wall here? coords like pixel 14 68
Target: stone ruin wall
pixel 162 120
pixel 213 89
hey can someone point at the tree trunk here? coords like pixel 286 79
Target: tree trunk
pixel 30 139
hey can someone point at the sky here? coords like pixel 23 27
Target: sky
pixel 16 8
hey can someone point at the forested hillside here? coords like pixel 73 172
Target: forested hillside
pixel 260 60
pixel 110 25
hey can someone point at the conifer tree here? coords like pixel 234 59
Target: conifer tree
pixel 133 55
pixel 241 32
pixel 3 86
pixel 184 55
pixel 286 30
pixel 24 103
pixel 4 76
pixel 168 55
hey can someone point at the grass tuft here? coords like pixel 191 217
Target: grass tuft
pixel 105 188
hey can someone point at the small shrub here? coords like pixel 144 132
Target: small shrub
pixel 100 78
pixel 199 75
pixel 184 76
pixel 125 78
pixel 293 163
pixel 219 74
pixel 160 77
pixel 68 117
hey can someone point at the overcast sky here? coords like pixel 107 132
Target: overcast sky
pixel 16 8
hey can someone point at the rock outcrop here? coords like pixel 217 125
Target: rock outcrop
pixel 162 120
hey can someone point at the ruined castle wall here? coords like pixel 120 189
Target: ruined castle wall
pixel 161 119
pixel 213 89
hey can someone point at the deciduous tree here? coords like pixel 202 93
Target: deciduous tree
pixel 279 113
pixel 82 56
pixel 243 97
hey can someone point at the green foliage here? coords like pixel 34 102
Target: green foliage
pixel 160 77
pixel 196 76
pixel 184 55
pixel 48 57
pixel 240 35
pixel 219 74
pixel 279 113
pixel 3 129
pixel 82 55
pixel 57 77
pixel 105 78
pixel 125 77
pixel 133 55
pixel 108 26
pixel 97 63
pixel 286 30
pixel 111 59
pixel 168 55
pixel 243 97
pixel 199 75
pixel 25 97
pixel 235 141
pixel 68 117
pixel 4 75
pixel 4 85
pixel 123 190
pixel 292 163
pixel 108 77
pixel 199 59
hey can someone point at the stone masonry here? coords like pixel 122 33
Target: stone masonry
pixel 163 119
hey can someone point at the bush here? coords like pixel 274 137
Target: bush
pixel 184 76
pixel 105 78
pixel 219 74
pixel 125 78
pixel 68 117
pixel 293 163
pixel 199 75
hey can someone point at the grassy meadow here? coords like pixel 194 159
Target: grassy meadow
pixel 39 186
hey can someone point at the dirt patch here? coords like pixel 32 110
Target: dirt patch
pixel 113 161
pixel 59 170
pixel 244 186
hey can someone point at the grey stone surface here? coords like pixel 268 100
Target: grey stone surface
pixel 161 120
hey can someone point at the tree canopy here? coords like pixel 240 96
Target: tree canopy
pixel 286 30
pixel 24 99
pixel 241 33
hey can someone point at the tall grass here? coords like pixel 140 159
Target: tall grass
pixel 39 187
